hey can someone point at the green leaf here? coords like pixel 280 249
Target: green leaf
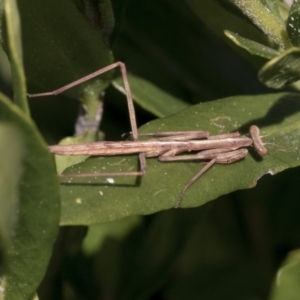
pixel 37 214
pixel 286 285
pixel 35 297
pixel 13 40
pixel 150 97
pixel 263 18
pixel 284 10
pixel 273 6
pixel 293 24
pixel 63 162
pixel 61 49
pixel 251 46
pixel 223 18
pixel 60 46
pixel 276 114
pixel 282 70
pixel 105 9
pixel 219 15
pixel 97 234
pixel 11 155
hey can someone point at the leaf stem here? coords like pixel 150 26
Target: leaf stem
pixel 15 54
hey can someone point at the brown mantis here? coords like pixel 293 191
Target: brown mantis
pixel 167 146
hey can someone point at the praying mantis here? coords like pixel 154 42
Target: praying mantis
pixel 168 146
